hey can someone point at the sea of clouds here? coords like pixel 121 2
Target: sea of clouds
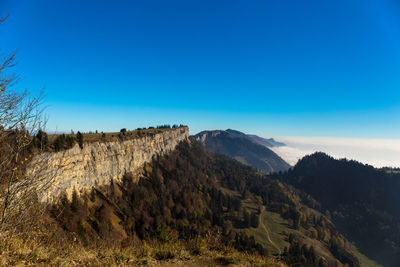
pixel 375 152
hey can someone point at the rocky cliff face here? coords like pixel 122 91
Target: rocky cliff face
pixel 99 162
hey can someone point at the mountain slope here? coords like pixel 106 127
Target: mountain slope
pixel 242 149
pixel 192 193
pixel 268 142
pixel 363 201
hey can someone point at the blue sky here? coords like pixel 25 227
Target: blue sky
pixel 274 68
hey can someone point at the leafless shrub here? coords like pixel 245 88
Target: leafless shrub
pixel 21 116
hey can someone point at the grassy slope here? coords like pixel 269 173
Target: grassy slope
pixel 196 253
pixel 279 229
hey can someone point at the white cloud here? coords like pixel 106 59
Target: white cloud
pixel 376 152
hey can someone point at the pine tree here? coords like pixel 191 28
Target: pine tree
pixel 254 220
pixel 74 201
pixel 79 136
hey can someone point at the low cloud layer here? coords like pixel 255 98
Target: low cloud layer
pixel 376 152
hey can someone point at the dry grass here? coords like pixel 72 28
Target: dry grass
pixel 204 252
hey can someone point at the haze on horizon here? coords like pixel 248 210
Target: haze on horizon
pixel 313 68
pixel 376 152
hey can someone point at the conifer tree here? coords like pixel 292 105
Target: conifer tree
pixel 79 136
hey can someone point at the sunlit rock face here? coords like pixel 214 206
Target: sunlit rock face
pixel 99 162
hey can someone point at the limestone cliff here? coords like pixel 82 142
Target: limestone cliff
pixel 99 162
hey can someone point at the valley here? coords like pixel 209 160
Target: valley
pixel 184 193
pixel 200 133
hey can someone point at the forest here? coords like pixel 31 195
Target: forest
pixel 362 201
pixel 188 194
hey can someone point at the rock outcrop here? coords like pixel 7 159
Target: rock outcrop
pixel 99 162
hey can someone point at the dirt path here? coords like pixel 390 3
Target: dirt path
pixel 266 230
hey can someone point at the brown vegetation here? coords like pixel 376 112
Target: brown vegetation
pixel 20 117
pixel 149 253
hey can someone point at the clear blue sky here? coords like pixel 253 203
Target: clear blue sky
pixel 292 68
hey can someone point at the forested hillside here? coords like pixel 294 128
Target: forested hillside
pixel 268 142
pixel 192 194
pixel 241 147
pixel 362 201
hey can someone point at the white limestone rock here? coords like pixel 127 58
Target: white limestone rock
pixel 99 162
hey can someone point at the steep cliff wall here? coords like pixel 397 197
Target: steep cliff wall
pixel 99 162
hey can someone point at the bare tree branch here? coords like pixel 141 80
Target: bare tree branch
pixel 21 116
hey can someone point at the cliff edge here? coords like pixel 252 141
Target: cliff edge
pixel 98 162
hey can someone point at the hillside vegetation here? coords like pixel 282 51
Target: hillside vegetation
pixel 361 200
pixel 198 252
pixel 268 142
pixel 243 148
pixel 57 142
pixel 191 194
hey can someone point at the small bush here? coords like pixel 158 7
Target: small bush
pixel 225 261
pixel 164 255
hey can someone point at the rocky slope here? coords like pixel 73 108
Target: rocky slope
pixel 99 162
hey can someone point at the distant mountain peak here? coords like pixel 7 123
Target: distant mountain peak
pixel 268 142
pixel 243 148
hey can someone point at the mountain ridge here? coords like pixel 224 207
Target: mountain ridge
pixel 361 200
pixel 240 147
pixel 99 162
pixel 191 192
pixel 268 142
